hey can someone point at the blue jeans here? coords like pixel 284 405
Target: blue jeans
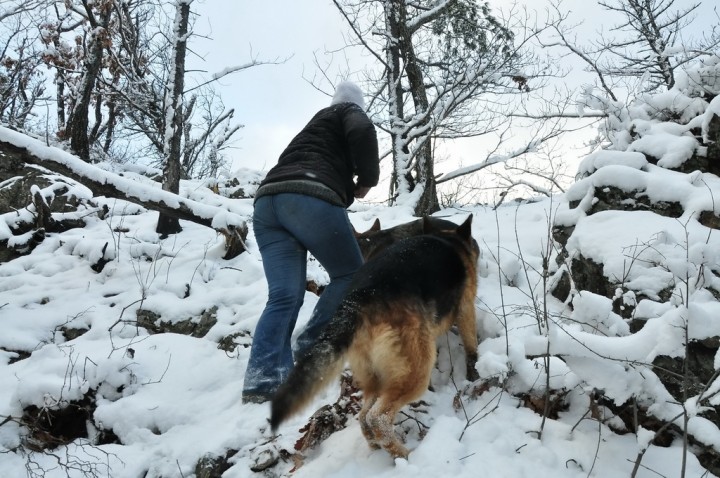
pixel 287 226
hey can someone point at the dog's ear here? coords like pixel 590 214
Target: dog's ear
pixel 464 230
pixel 374 228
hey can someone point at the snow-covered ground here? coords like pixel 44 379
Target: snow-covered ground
pixel 172 399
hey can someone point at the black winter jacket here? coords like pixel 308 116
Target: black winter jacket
pixel 337 144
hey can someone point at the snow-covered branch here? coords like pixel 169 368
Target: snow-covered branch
pixel 111 185
pixel 20 7
pixel 429 15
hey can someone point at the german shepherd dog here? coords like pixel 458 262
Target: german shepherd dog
pixel 386 327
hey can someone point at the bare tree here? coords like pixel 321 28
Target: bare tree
pixel 647 48
pixel 651 27
pixel 436 61
pixel 78 34
pixel 11 8
pixel 145 62
pixel 204 140
pixel 644 45
pixel 174 114
pixel 111 63
pixel 78 63
pixel 21 81
pixel 97 14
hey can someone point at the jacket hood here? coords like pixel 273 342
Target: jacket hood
pixel 348 92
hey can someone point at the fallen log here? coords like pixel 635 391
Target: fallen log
pixel 16 149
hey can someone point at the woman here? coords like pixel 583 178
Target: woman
pixel 300 206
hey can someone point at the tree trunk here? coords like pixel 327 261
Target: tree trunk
pixel 77 125
pixel 428 202
pixel 422 173
pixel 399 180
pixel 424 167
pixel 172 170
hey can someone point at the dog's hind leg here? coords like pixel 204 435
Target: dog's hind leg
pixel 381 421
pixel 400 386
pixel 367 430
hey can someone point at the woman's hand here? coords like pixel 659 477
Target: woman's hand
pixel 361 191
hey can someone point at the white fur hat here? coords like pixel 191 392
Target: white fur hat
pixel 348 92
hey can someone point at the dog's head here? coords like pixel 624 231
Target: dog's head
pixel 375 240
pixel 463 232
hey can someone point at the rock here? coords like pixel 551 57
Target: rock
pixel 211 466
pixel 685 376
pixel 610 198
pixel 588 275
pixel 709 219
pixel 49 428
pixel 194 327
pixel 71 333
pixel 713 148
pixel 230 342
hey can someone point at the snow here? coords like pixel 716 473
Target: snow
pixel 694 192
pixel 177 398
pixel 221 212
pixel 671 150
pixel 173 399
pixel 604 157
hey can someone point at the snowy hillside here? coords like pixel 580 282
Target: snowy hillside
pixel 123 354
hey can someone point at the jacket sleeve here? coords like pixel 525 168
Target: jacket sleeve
pixel 362 146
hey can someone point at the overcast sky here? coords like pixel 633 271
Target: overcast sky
pixel 274 101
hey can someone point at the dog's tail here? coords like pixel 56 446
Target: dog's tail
pixel 317 368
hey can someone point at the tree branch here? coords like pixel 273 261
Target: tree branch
pixel 103 183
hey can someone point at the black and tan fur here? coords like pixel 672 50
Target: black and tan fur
pixel 400 301
pixel 375 240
